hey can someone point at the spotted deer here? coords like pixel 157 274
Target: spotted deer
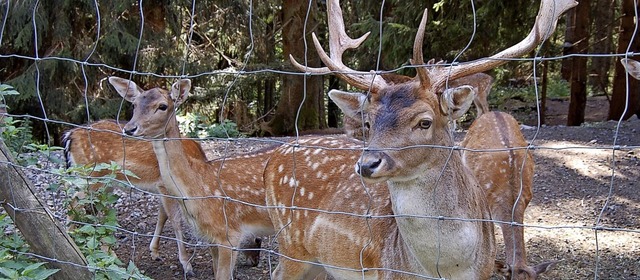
pixel 430 219
pixel 506 176
pixel 102 142
pixel 495 151
pixel 221 197
pixel 632 67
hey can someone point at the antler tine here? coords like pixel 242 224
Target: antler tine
pixel 421 72
pixel 339 42
pixel 546 20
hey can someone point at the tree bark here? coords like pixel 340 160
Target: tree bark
pixel 333 111
pixel 602 43
pixel 578 102
pixel 619 98
pixel 301 93
pixel 45 236
pixel 569 42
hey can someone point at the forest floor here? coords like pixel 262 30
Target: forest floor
pixel 579 182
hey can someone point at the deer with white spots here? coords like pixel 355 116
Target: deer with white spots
pixel 221 197
pixel 103 142
pixel 496 152
pixel 431 218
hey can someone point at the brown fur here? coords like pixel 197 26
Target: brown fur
pixel 506 174
pixel 217 196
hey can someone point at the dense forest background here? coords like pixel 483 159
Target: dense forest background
pixel 58 54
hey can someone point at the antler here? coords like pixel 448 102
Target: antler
pixel 546 20
pixel 339 42
pixel 421 72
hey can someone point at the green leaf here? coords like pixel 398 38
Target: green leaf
pixel 27 270
pixel 45 273
pixel 9 273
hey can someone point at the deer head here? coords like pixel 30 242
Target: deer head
pixel 148 104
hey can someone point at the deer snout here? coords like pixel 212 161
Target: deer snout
pixel 374 165
pixel 130 129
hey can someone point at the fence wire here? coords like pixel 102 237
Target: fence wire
pixel 132 236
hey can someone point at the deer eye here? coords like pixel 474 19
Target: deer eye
pixel 367 125
pixel 162 107
pixel 424 124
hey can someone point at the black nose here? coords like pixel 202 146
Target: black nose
pixel 130 131
pixel 367 168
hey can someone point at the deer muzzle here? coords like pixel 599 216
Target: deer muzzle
pixel 373 165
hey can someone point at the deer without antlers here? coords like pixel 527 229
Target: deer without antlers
pixel 219 197
pixel 441 227
pixel 495 153
pixel 103 142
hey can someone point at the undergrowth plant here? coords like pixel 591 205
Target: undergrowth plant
pixel 15 263
pixel 95 219
pixel 94 215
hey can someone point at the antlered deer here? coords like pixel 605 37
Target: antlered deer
pixel 441 226
pixel 219 197
pixel 495 150
pixel 506 176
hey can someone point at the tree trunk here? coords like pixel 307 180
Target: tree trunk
pixel 45 236
pixel 619 98
pixel 575 116
pixel 293 93
pixel 333 111
pixel 604 12
pixel 543 92
pixel 568 46
pixel 270 81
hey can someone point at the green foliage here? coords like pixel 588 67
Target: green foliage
pixel 14 264
pixel 16 134
pixel 92 210
pixel 556 88
pixel 225 129
pixel 194 126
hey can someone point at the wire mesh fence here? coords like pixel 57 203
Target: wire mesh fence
pixel 301 196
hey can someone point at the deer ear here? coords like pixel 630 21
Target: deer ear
pixel 632 67
pixel 180 91
pixel 126 88
pixel 456 101
pixel 352 104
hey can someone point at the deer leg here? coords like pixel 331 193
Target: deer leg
pixel 515 251
pixel 172 208
pixel 155 241
pixel 213 250
pixel 290 269
pixel 226 263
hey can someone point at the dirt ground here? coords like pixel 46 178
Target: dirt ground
pixel 579 182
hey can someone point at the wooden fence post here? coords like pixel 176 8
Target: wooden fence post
pixel 45 236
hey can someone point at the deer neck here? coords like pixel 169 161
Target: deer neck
pixel 177 165
pixel 424 206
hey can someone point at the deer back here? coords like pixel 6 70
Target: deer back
pixel 495 150
pixel 103 142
